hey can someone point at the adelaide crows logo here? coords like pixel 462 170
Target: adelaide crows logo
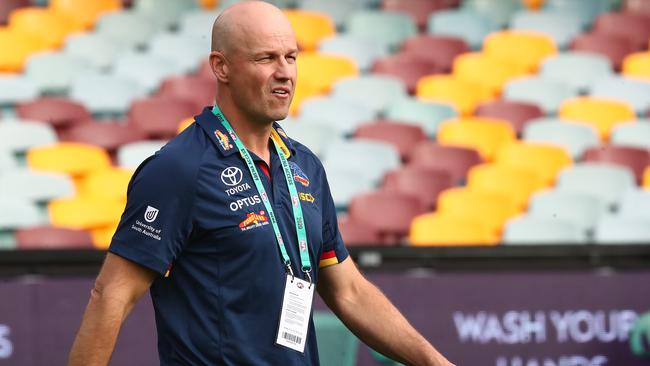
pixel 298 175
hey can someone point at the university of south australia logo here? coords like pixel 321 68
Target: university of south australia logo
pixel 150 214
pixel 231 176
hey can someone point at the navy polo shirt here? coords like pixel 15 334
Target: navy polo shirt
pixel 194 216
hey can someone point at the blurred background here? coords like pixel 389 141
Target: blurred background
pixel 489 160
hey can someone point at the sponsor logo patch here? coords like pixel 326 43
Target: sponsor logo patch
pixel 224 141
pixel 245 202
pixel 150 214
pixel 307 197
pixel 298 175
pixel 254 220
pixel 231 176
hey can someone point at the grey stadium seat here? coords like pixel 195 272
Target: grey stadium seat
pixel 575 137
pixel 35 186
pixel 373 91
pixel 580 209
pixel 105 94
pixel 53 72
pixel 527 229
pixel 347 118
pixel 607 182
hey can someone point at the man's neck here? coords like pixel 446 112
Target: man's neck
pixel 255 136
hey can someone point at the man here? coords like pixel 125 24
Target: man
pixel 231 223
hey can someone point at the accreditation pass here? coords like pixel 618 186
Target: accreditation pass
pixel 294 318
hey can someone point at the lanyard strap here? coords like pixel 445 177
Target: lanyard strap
pixel 295 201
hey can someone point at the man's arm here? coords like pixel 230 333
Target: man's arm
pixel 118 287
pixel 372 317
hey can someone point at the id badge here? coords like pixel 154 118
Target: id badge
pixel 294 318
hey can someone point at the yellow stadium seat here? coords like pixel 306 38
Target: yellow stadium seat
pixel 545 160
pixel 646 178
pixel 525 48
pixel 185 124
pixel 48 26
pixel 462 94
pixel 74 159
pixel 318 72
pixel 110 183
pixel 533 4
pixel 637 65
pixel 486 70
pixel 84 13
pixel 85 212
pixel 509 181
pixel 310 27
pixel 16 47
pixel 302 92
pixel 208 4
pixel 603 114
pixel 435 229
pixel 492 210
pixel 481 133
pixel 102 235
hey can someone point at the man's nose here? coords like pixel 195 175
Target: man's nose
pixel 284 69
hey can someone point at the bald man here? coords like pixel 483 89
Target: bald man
pixel 231 226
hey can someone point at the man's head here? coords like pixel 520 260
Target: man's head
pixel 254 52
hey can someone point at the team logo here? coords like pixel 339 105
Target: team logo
pixel 150 214
pixel 307 197
pixel 294 199
pixel 298 175
pixel 254 220
pixel 231 176
pixel 303 245
pixel 224 141
pixel 300 285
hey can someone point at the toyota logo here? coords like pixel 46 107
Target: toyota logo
pixel 231 176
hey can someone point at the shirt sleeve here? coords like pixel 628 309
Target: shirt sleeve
pixel 157 220
pixel 334 250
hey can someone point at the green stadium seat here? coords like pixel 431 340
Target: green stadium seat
pixel 499 12
pixel 560 26
pixel 387 28
pixel 469 26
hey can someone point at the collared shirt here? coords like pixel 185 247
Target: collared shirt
pixel 193 214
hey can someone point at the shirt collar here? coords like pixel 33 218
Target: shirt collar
pixel 223 141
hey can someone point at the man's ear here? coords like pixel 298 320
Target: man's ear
pixel 219 66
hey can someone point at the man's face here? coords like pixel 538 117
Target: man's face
pixel 262 71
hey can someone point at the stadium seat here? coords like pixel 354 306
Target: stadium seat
pixel 634 158
pixel 315 135
pixel 499 12
pixel 619 230
pixel 16 48
pixel 187 122
pixel 421 182
pixel 612 46
pixel 646 178
pixel 84 13
pixel 356 233
pixel 402 137
pixel 435 229
pixel 146 69
pixel 407 67
pixel 486 135
pixel 362 51
pixel 158 117
pixel 637 65
pixel 370 158
pixel 7 6
pixel 319 71
pixel 491 209
pixel 607 182
pixel 73 159
pixel 418 10
pixel 109 135
pixel 18 213
pixel 85 212
pixel 48 26
pixel 462 94
pixel 197 89
pixel 514 183
pixel 397 210
pixel 427 115
pixel 518 114
pixel 166 13
pixel 372 91
pixel 543 159
pixel 586 10
pixel 488 71
pixel 100 50
pixel 578 208
pixel 385 27
pixel 61 113
pixel 184 50
pixel 633 26
pixel 346 183
pixel 16 88
pixel 602 114
pixel 53 72
pixel 634 134
pixel 576 68
pixel 129 156
pixel 561 27
pixel 17 136
pixel 467 25
pixel 34 186
pixel 7 161
pixel 526 49
pixel 105 94
pixel 453 159
pixel 108 183
pixel 573 136
pixel 637 6
pixel 348 114
pixel 529 229
pixel 635 205
pixel 310 27
pixel 438 48
pixel 634 92
pixel 196 23
pixel 49 237
pixel 339 11
pixel 547 94
pixel 336 344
